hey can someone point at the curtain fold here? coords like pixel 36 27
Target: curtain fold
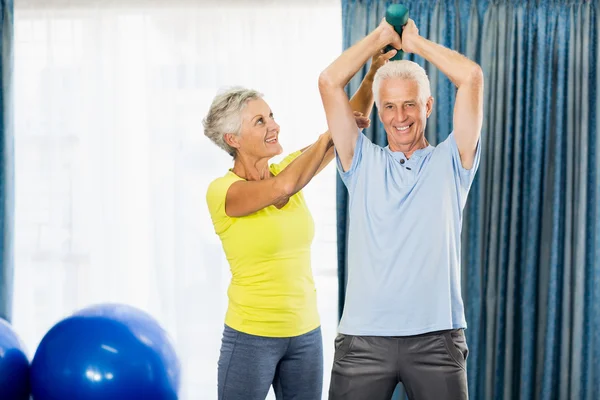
pixel 7 158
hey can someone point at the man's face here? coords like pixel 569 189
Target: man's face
pixel 403 113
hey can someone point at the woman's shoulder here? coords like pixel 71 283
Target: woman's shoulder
pixel 217 189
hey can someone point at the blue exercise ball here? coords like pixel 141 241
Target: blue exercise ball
pixel 108 351
pixel 14 365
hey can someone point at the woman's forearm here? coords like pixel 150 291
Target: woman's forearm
pixel 300 171
pixel 362 101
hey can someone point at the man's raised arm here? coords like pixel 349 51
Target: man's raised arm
pixel 335 77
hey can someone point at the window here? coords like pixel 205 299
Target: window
pixel 112 165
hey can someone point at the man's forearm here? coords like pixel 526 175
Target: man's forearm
pixel 339 73
pixel 458 68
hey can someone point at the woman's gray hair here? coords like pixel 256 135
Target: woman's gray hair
pixel 403 69
pixel 224 115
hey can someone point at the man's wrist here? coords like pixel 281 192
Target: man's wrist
pixel 383 37
pixel 418 45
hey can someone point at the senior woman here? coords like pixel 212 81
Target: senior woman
pixel 272 330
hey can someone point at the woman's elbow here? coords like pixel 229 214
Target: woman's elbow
pixel 284 188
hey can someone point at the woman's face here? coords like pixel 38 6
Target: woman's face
pixel 259 136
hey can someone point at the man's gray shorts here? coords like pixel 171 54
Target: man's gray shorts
pixel 431 366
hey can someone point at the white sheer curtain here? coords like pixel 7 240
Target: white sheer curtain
pixel 112 165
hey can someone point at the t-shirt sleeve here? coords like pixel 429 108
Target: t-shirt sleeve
pixel 363 149
pixel 465 176
pixel 215 199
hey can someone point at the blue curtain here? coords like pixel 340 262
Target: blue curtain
pixel 7 157
pixel 531 234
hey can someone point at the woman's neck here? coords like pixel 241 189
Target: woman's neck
pixel 251 169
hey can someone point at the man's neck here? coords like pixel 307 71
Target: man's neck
pixel 409 150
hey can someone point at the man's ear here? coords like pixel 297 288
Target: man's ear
pixel 429 106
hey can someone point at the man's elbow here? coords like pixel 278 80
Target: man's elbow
pixel 326 82
pixel 475 77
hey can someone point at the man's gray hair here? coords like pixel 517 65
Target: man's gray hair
pixel 402 69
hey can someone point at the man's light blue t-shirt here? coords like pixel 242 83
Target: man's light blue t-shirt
pixel 405 219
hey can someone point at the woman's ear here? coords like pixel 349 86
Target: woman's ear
pixel 232 140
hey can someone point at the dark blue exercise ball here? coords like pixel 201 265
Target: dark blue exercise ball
pixel 108 351
pixel 14 365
